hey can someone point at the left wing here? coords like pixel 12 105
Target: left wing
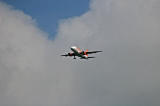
pixel 65 55
pixel 93 52
pixel 69 54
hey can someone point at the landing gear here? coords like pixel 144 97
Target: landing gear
pixel 74 57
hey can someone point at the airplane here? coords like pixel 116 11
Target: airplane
pixel 80 53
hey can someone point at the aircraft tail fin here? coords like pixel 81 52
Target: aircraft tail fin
pixel 85 53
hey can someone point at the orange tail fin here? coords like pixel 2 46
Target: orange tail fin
pixel 85 53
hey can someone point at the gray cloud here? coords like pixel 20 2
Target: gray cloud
pixel 126 73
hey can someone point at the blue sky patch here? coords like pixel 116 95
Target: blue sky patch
pixel 47 13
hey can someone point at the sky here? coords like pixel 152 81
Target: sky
pixel 48 13
pixel 126 73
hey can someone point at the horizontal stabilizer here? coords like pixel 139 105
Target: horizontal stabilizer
pixel 87 57
pixel 91 57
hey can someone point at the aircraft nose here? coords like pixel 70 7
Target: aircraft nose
pixel 73 47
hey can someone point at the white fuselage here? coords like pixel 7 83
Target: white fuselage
pixel 78 52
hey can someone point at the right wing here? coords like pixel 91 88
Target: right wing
pixel 93 52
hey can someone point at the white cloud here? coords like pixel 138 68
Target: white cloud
pixel 126 73
pixel 29 74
